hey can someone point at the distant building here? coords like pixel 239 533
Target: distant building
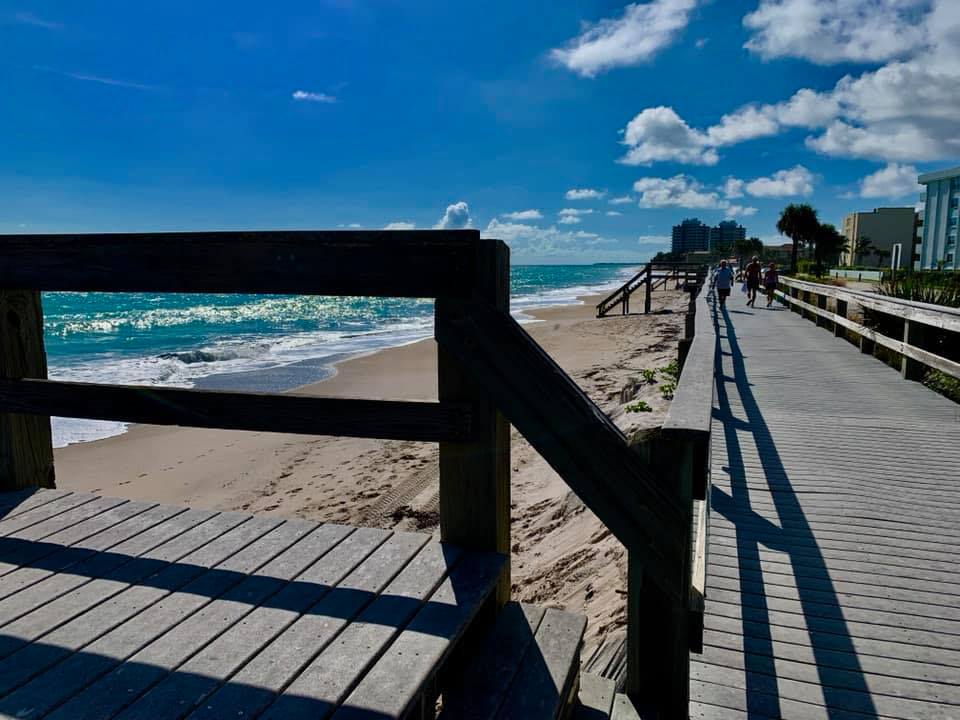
pixel 781 254
pixel 938 246
pixel 883 228
pixel 727 233
pixel 690 236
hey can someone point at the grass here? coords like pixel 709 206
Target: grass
pixel 935 288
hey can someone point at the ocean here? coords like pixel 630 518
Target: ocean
pixel 253 342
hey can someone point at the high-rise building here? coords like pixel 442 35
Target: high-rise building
pixel 727 233
pixel 690 235
pixel 938 247
pixel 872 235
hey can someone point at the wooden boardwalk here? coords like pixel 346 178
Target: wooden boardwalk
pixel 832 588
pixel 118 609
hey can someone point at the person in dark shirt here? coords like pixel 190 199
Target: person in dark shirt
pixel 752 272
pixel 770 280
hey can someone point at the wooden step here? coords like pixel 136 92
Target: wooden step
pixel 527 667
pixel 599 700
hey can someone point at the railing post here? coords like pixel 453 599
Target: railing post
pixel 838 329
pixel 913 333
pixel 658 629
pixel 26 448
pixel 646 300
pixel 822 304
pixel 475 476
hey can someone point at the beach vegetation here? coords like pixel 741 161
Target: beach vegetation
pixel 671 371
pixel 667 389
pixel 638 406
pixel 798 222
pixel 649 375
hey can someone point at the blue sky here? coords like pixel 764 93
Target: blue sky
pixel 578 132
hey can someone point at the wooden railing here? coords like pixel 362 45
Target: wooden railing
pixel 832 306
pixel 647 278
pixel 490 374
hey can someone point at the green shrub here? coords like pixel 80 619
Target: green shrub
pixel 944 384
pixel 649 375
pixel 639 406
pixel 671 371
pixel 936 288
pixel 667 389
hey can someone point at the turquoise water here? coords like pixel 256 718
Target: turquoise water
pixel 252 342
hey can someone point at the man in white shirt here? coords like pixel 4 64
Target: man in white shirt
pixel 723 281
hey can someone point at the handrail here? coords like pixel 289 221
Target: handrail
pixel 490 374
pixel 916 317
pixel 645 277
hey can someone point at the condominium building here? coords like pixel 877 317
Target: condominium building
pixel 872 235
pixel 690 235
pixel 727 233
pixel 938 246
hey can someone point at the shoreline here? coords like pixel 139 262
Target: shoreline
pixel 561 555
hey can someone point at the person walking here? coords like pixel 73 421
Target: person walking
pixel 770 280
pixel 752 273
pixel 723 281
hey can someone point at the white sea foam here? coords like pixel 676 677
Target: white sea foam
pixel 253 353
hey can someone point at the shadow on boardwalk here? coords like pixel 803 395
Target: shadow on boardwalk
pixel 817 595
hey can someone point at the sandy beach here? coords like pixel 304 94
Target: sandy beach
pixel 562 555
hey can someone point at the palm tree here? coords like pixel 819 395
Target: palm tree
pixel 828 245
pixel 799 223
pixel 881 254
pixel 863 246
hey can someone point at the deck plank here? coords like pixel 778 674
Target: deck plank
pixel 831 585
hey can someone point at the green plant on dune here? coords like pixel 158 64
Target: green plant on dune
pixel 639 406
pixel 649 375
pixel 670 371
pixel 667 389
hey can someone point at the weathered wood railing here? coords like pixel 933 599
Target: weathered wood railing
pixel 832 306
pixel 490 374
pixel 647 278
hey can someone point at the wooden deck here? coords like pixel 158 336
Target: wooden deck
pixel 832 589
pixel 118 609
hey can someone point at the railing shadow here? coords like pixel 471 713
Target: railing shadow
pixel 817 595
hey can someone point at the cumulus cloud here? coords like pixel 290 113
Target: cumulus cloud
pixel 529 240
pixel 658 134
pixel 892 181
pixel 306 96
pixel 733 188
pixel 654 240
pixel 783 183
pixel 456 217
pixel 677 191
pixel 523 215
pixel 740 211
pixel 613 213
pixel 621 200
pixel 584 194
pixel 570 220
pixel 631 39
pixel 399 225
pixel 576 211
pixel 832 31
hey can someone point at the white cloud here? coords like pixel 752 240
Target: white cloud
pixel 352 226
pixel 678 191
pixel 631 39
pixel 456 217
pixel 399 226
pixel 733 188
pixel 832 31
pixel 654 239
pixel 613 213
pixel 532 241
pixel 576 211
pixel 658 134
pixel 740 211
pixel 584 194
pixel 570 220
pixel 621 200
pixel 893 181
pixel 27 18
pixel 306 96
pixel 784 183
pixel 523 215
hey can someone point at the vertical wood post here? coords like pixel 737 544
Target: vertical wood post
pixel 913 333
pixel 822 304
pixel 658 628
pixel 649 279
pixel 475 476
pixel 838 329
pixel 26 448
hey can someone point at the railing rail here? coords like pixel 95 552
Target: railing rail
pixel 645 277
pixel 830 305
pixel 490 374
